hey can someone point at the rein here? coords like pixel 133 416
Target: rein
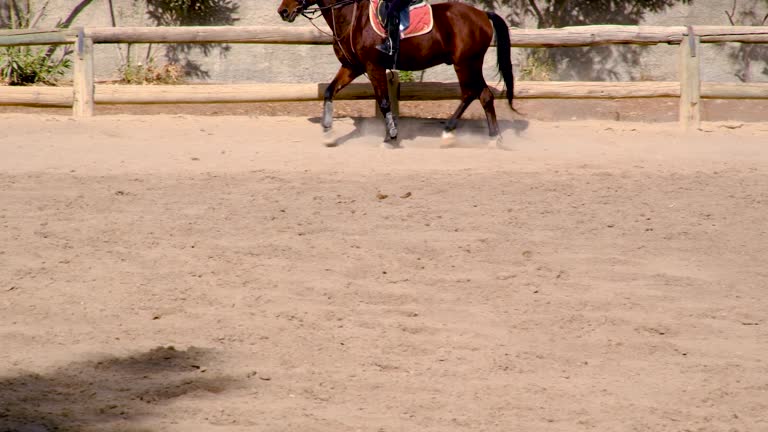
pixel 313 12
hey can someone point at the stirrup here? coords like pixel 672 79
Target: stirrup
pixel 385 47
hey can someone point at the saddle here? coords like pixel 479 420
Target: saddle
pixel 415 20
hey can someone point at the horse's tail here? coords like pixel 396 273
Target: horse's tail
pixel 504 56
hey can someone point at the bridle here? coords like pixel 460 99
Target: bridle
pixel 310 12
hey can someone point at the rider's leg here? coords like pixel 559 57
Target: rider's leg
pixel 392 42
pixel 386 46
pixel 394 33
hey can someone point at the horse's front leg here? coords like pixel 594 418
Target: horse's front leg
pixel 378 79
pixel 343 77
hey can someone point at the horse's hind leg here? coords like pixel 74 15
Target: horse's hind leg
pixel 449 138
pixel 470 75
pixel 486 99
pixel 343 77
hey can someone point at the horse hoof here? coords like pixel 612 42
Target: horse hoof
pixel 449 139
pixel 391 144
pixel 497 143
pixel 329 139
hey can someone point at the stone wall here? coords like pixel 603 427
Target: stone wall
pixel 271 63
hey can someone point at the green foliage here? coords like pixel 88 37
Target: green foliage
pixel 26 66
pixel 539 67
pixel 410 76
pixel 406 76
pixel 150 73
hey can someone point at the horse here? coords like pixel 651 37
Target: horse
pixel 460 36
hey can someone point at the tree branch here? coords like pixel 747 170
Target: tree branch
pixel 38 15
pixel 68 22
pixel 732 13
pixel 75 12
pixel 537 11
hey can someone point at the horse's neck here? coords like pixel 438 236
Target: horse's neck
pixel 341 19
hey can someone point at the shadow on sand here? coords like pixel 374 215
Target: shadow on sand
pixel 91 395
pixel 412 128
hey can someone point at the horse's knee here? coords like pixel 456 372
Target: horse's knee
pixel 385 106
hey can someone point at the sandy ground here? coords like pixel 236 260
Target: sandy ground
pixel 228 273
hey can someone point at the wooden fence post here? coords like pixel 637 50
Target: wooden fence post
pixel 83 77
pixel 690 81
pixel 393 84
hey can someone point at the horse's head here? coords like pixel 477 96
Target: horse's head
pixel 290 9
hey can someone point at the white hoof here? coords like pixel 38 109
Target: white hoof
pixel 329 138
pixel 497 143
pixel 449 139
pixel 389 145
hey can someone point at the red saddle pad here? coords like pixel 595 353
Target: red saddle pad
pixel 421 20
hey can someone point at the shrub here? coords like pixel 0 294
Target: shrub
pixel 538 67
pixel 27 66
pixel 150 73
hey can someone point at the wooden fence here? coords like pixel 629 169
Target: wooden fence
pixel 84 94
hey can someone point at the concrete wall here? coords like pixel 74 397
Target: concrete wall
pixel 266 63
pixel 720 62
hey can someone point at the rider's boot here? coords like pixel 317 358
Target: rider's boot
pixel 392 43
pixel 394 31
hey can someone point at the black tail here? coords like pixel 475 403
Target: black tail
pixel 504 55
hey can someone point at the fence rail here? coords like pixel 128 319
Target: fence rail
pixel 84 94
pixel 520 38
pixel 244 93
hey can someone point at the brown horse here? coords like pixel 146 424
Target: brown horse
pixel 460 37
